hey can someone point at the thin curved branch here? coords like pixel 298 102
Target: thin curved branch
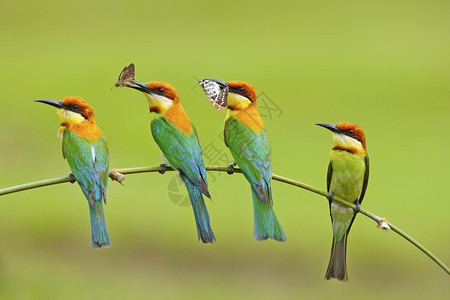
pixel 36 184
pixel 117 175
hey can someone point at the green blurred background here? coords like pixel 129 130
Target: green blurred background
pixel 381 64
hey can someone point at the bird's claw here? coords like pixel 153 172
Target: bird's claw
pixel 357 208
pixel 72 178
pixel 163 166
pixel 231 168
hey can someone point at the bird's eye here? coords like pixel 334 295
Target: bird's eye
pixel 75 107
pixel 241 90
pixel 351 132
pixel 161 90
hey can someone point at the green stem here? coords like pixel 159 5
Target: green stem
pixel 299 184
pixel 33 185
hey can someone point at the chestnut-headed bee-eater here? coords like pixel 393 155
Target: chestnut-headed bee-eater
pixel 347 178
pixel 84 147
pixel 177 138
pixel 245 134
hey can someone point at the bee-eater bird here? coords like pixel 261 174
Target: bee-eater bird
pixel 347 178
pixel 245 134
pixel 84 147
pixel 177 138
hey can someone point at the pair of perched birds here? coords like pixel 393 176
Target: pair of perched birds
pixel 245 134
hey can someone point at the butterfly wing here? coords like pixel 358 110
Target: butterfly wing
pixel 216 93
pixel 126 77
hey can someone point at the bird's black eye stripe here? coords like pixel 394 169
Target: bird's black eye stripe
pixel 76 108
pixel 73 107
pixel 239 90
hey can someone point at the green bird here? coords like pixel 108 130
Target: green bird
pixel 84 147
pixel 177 138
pixel 347 178
pixel 245 134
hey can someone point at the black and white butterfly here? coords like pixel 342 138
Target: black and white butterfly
pixel 126 77
pixel 216 91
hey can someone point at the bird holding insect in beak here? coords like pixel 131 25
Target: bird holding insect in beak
pixel 347 178
pixel 84 147
pixel 245 134
pixel 177 138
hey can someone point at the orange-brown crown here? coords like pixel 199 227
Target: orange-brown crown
pixel 78 104
pixel 164 89
pixel 353 131
pixel 243 88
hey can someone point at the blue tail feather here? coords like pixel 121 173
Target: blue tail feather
pixel 204 230
pixel 100 236
pixel 266 222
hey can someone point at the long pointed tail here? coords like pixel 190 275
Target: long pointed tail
pixel 266 222
pixel 100 236
pixel 337 267
pixel 204 230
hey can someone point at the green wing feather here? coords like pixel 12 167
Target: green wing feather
pixel 88 162
pixel 251 151
pixel 329 174
pixel 183 151
pixel 366 179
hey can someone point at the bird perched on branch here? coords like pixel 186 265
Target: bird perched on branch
pixel 245 134
pixel 347 178
pixel 84 147
pixel 177 138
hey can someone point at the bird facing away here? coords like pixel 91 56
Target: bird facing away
pixel 245 134
pixel 84 147
pixel 347 178
pixel 177 138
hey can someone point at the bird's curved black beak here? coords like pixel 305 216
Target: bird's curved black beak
pixel 330 127
pixel 142 87
pixel 54 103
pixel 219 82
